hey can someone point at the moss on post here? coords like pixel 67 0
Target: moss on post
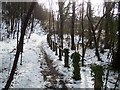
pixel 76 59
pixel 66 50
pixel 98 73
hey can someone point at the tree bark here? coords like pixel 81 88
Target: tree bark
pixel 107 27
pixel 116 61
pixel 32 26
pixel 73 27
pixel 61 22
pixel 95 28
pixel 83 45
pixel 89 12
pixel 18 32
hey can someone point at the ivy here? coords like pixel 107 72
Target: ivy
pixel 76 59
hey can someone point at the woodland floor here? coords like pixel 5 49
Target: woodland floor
pixel 41 68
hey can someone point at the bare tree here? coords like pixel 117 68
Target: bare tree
pixel 20 45
pixel 61 6
pixel 82 27
pixel 73 27
pixel 94 28
pixel 107 25
pixel 116 61
pixel 89 13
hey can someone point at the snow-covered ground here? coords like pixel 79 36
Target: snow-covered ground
pixel 28 75
pixel 87 80
pixel 6 59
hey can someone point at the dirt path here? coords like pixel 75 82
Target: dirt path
pixel 28 75
pixel 37 70
pixel 52 75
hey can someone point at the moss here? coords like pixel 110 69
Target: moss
pixel 97 69
pixel 76 59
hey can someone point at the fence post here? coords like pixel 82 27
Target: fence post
pixel 98 73
pixel 66 60
pixel 56 49
pixel 60 54
pixel 76 59
pixel 53 46
pixel 51 43
pixel 48 39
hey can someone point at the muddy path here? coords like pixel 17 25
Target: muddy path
pixel 52 75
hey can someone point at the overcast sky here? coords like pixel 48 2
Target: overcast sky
pixel 96 5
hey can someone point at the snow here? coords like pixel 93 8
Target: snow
pixel 67 72
pixel 29 74
pixel 6 59
pixel 87 81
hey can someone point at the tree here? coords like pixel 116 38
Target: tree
pixel 89 13
pixel 73 27
pixel 95 27
pixel 82 27
pixel 0 18
pixel 107 25
pixel 32 25
pixel 116 61
pixel 20 45
pixel 61 6
pixel 42 14
pixel 13 13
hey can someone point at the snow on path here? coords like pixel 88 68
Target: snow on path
pixel 6 59
pixel 29 74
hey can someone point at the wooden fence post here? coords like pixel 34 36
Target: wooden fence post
pixel 66 60
pixel 51 43
pixel 98 73
pixel 56 49
pixel 48 39
pixel 60 54
pixel 76 59
pixel 53 46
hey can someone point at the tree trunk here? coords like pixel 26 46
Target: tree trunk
pixel 58 26
pixel 50 22
pixel 96 45
pixel 116 61
pixel 83 45
pixel 107 20
pixel 89 12
pixel 18 32
pixel 72 27
pixel 32 26
pixel 12 25
pixel 61 4
pixel 19 46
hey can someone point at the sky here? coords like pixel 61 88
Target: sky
pixel 96 5
pixel 0 7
